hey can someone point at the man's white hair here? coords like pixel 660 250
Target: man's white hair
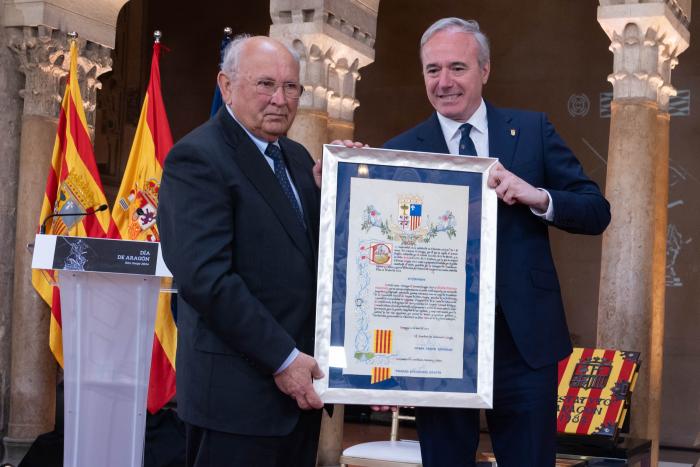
pixel 459 24
pixel 232 54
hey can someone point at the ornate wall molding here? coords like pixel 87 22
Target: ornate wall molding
pixel 43 55
pixel 95 20
pixel 679 8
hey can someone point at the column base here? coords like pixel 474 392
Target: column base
pixel 15 450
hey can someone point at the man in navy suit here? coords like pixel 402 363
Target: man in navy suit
pixel 238 218
pixel 540 183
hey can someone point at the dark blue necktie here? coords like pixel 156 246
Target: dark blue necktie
pixel 275 153
pixel 466 145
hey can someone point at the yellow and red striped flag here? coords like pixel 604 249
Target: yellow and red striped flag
pixel 379 374
pixel 383 341
pixel 134 214
pixel 73 186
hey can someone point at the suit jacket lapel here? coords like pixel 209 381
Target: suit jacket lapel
pixel 503 135
pixel 257 170
pixel 430 137
pixel 302 178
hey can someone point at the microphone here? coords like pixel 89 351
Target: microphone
pixel 88 212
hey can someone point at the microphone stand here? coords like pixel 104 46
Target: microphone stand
pixel 89 212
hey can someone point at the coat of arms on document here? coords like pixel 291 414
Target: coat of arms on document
pixel 409 227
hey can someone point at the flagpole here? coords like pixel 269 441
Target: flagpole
pixel 72 40
pixel 217 102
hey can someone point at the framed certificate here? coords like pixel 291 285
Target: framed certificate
pixel 406 280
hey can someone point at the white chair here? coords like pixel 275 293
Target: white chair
pixel 392 453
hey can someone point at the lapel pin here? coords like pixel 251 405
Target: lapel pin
pixel 512 132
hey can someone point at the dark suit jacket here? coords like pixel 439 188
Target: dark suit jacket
pixel 246 274
pixel 527 288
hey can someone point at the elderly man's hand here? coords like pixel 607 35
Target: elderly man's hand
pixel 384 408
pixel 318 166
pixel 349 144
pixel 512 189
pixel 296 381
pixel 317 172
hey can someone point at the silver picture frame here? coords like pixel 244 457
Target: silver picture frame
pixel 340 166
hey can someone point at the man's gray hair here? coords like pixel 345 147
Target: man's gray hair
pixel 232 54
pixel 459 24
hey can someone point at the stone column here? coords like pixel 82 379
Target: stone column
pixel 334 39
pixel 342 102
pixel 43 58
pixel 11 103
pixel 646 39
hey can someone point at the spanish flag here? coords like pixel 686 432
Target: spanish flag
pixel 73 187
pixel 134 213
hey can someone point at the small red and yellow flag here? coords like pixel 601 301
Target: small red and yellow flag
pixel 380 374
pixel 73 186
pixel 134 214
pixel 382 341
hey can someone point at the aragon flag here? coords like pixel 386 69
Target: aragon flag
pixel 73 186
pixel 134 213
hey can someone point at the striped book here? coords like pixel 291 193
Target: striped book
pixel 594 391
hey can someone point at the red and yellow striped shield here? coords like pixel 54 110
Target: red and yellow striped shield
pixel 380 374
pixel 382 341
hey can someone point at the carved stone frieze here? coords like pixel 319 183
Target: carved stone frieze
pixel 43 55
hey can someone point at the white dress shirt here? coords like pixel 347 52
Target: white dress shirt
pixel 262 146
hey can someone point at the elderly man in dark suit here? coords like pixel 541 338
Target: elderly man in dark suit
pixel 540 183
pixel 238 218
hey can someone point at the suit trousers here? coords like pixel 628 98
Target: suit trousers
pixel 522 423
pixel 210 448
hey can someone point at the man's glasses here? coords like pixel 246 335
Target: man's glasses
pixel 268 87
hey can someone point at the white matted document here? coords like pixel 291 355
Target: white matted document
pixel 406 286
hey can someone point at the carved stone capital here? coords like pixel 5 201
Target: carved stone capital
pixel 333 39
pixel 43 55
pixel 646 40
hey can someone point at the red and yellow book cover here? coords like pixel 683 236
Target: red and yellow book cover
pixel 594 389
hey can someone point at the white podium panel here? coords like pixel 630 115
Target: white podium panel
pixel 108 325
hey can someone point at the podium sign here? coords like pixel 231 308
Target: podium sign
pixel 406 281
pixel 98 255
pixel 109 293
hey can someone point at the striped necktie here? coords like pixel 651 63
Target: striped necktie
pixel 280 169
